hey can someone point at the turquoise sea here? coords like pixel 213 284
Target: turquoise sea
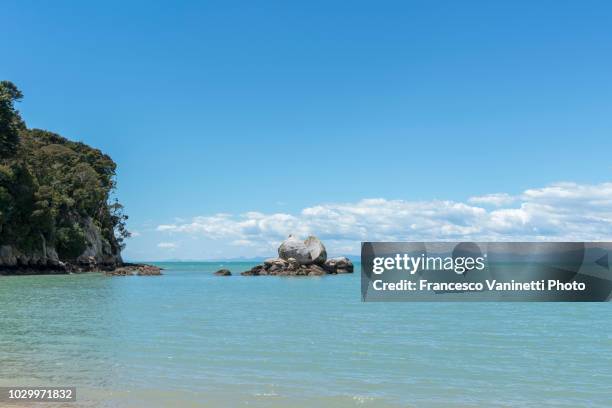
pixel 189 339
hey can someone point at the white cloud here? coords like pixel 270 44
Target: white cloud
pixel 497 199
pixel 167 245
pixel 243 242
pixel 562 211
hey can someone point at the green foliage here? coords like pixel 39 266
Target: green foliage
pixel 10 121
pixel 118 220
pixel 49 185
pixel 70 241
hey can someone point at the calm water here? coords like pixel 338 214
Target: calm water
pixel 189 339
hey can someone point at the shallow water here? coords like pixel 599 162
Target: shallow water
pixel 189 339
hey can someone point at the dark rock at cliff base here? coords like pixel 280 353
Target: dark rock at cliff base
pixel 305 252
pixel 338 265
pixel 223 272
pixel 73 268
pixel 135 269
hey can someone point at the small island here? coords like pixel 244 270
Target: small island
pixel 299 258
pixel 57 214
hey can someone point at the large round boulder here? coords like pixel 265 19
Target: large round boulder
pixel 305 252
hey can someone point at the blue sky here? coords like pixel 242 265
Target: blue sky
pixel 267 110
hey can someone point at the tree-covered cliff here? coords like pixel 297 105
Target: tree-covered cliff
pixel 55 198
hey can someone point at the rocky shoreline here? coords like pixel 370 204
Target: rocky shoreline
pixel 99 256
pixel 299 258
pixel 67 269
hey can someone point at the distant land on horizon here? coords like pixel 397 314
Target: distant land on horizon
pixel 354 258
pixel 596 251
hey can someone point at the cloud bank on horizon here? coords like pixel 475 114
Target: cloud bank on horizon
pixel 558 212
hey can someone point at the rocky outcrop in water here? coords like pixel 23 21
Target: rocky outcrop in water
pixel 129 269
pixel 223 272
pixel 301 258
pixel 338 265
